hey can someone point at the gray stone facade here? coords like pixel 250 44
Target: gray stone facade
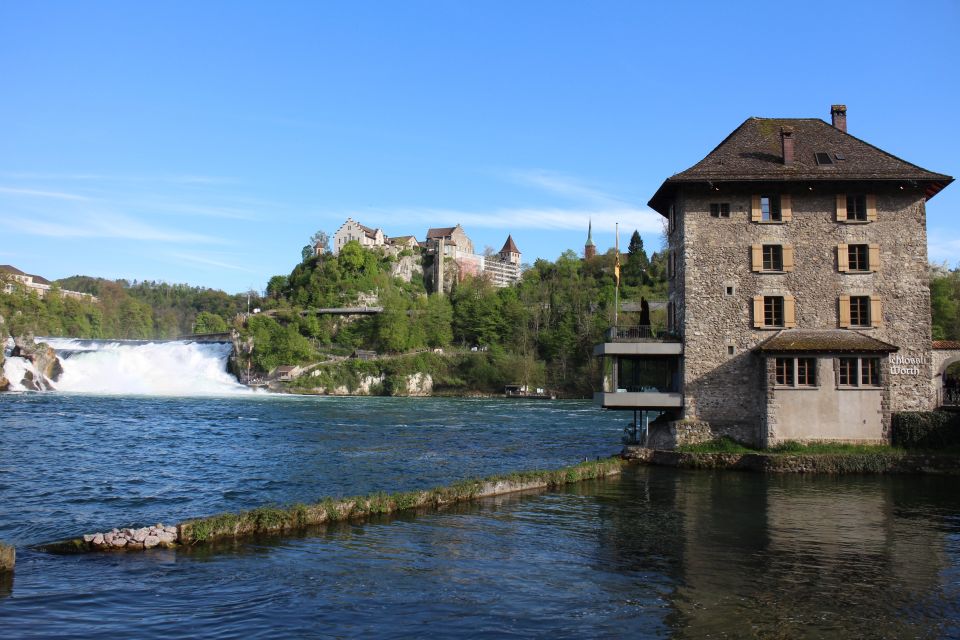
pixel 713 255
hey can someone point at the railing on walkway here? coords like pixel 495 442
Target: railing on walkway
pixel 640 333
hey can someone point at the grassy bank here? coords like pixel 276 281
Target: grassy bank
pixel 728 445
pixel 270 519
pixel 794 457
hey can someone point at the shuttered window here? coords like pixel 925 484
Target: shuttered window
pixel 858 258
pixel 774 312
pixel 853 207
pixel 771 257
pixel 860 311
pixel 771 208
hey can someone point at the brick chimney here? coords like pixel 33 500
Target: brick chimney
pixel 838 114
pixel 786 138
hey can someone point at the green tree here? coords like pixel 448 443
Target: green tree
pixel 637 263
pixel 208 322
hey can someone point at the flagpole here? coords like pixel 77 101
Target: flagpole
pixel 616 272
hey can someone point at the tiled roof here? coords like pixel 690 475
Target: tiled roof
pixel 946 344
pixel 823 341
pixel 439 232
pixel 6 268
pixel 40 279
pixel 509 246
pixel 370 233
pixel 754 152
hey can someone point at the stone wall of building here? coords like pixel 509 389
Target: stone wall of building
pixel 714 285
pixel 826 412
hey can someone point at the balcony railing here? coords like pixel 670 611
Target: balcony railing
pixel 640 333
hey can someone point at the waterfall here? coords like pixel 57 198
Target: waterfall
pixel 137 367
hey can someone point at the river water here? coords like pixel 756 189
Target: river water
pixel 654 553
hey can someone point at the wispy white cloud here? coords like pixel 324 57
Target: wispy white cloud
pixel 554 219
pixel 184 179
pixel 100 225
pixel 35 193
pixel 208 261
pixel 563 185
pixel 586 202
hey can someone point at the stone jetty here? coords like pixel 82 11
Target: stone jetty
pixel 133 539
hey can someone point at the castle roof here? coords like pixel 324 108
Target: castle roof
pixel 509 246
pixel 822 152
pixel 439 232
pixel 823 341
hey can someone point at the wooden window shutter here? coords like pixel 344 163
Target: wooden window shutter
pixel 871 208
pixel 876 315
pixel 757 312
pixel 756 257
pixel 841 207
pixel 843 258
pixel 788 258
pixel 756 215
pixel 874 259
pixel 786 208
pixel 844 312
pixel 789 312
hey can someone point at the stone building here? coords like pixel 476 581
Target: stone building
pixel 353 230
pixel 451 259
pixel 503 269
pixel 799 295
pixel 11 278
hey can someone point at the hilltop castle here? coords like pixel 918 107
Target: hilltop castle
pixel 447 252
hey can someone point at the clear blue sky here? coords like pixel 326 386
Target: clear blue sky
pixel 203 142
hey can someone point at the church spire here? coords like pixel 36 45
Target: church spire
pixel 589 249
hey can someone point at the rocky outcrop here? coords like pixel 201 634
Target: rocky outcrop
pixel 420 385
pixel 4 383
pixel 45 362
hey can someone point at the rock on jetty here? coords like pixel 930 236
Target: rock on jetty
pixel 133 539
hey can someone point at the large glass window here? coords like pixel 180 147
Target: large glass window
pixel 650 374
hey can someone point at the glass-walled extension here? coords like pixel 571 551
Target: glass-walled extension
pixel 640 372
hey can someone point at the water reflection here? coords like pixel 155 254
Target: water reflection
pixel 790 556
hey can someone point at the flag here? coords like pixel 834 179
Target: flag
pixel 616 264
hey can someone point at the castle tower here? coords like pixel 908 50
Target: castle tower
pixel 509 252
pixel 589 249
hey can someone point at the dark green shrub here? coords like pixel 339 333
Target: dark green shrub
pixel 926 429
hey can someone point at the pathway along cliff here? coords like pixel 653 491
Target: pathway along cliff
pixel 118 367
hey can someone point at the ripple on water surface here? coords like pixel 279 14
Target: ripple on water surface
pixel 656 553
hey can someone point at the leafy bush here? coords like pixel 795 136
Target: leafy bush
pixel 926 429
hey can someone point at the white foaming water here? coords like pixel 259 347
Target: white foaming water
pixel 152 368
pixel 14 369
